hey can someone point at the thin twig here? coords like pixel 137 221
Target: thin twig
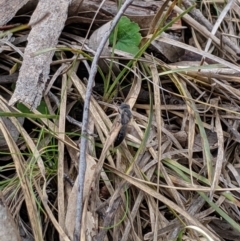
pixel 198 16
pixel 83 144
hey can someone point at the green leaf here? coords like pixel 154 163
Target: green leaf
pixel 128 36
pixel 42 108
pixel 23 108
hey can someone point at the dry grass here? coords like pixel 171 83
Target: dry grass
pixel 177 167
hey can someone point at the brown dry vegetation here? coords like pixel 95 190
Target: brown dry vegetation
pixel 176 175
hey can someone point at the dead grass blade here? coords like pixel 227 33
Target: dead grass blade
pixel 220 155
pixel 158 117
pixel 224 215
pixel 146 189
pixel 202 53
pixel 25 183
pixel 61 131
pixel 217 24
pixel 205 23
pixel 192 109
pixel 72 200
pixel 155 22
pixel 50 214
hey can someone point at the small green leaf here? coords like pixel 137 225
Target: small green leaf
pixel 42 108
pixel 23 108
pixel 128 36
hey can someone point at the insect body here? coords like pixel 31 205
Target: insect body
pixel 125 117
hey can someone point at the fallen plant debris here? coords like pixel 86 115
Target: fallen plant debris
pixel 150 114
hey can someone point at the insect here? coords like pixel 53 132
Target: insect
pixel 125 117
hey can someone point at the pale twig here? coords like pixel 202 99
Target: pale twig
pixel 83 144
pixel 198 16
pixel 218 23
